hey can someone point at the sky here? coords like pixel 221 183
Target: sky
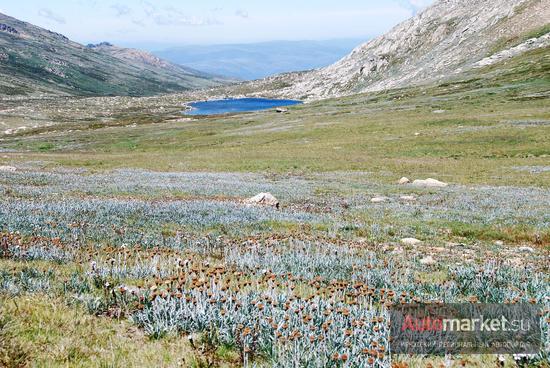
pixel 172 22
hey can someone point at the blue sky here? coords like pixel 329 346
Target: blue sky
pixel 132 22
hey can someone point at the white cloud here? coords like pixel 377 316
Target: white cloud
pixel 121 10
pixel 148 8
pixel 138 22
pixel 241 13
pixel 175 17
pixel 167 19
pixel 48 14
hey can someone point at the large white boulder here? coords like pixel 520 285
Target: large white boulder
pixel 410 241
pixel 429 183
pixel 379 199
pixel 265 199
pixel 428 261
pixel 404 180
pixel 8 168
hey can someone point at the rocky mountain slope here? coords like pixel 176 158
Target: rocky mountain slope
pixel 35 61
pixel 446 39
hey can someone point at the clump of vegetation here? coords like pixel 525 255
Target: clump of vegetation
pixel 13 354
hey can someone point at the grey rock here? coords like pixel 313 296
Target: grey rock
pixel 410 241
pixel 429 183
pixel 266 199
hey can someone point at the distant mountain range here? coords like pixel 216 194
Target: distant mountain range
pixel 446 40
pixel 260 60
pixel 35 61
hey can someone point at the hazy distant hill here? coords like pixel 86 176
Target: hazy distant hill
pixel 36 61
pixel 259 60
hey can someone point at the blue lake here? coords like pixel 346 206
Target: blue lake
pixel 215 107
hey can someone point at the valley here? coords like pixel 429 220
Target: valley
pixel 132 234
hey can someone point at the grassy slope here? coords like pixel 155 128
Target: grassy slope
pixel 48 331
pixel 39 61
pixel 492 122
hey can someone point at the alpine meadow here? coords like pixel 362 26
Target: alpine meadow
pixel 155 215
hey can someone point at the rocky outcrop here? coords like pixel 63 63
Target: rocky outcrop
pixel 101 44
pixel 59 36
pixel 8 29
pixel 530 44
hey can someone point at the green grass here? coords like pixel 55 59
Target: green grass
pixel 513 234
pixel 50 330
pixel 507 43
pixel 44 147
pixel 49 333
pixel 383 142
pixel 479 138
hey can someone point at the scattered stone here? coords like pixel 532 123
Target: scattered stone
pixel 416 134
pixel 410 241
pixel 439 111
pixel 499 243
pixel 266 199
pixel 430 183
pixel 428 261
pixel 408 198
pixel 404 180
pixel 397 251
pixel 379 199
pixel 281 110
pixel 8 168
pixel 454 245
pixel 526 250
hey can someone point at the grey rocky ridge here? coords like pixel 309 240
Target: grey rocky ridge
pixel 444 40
